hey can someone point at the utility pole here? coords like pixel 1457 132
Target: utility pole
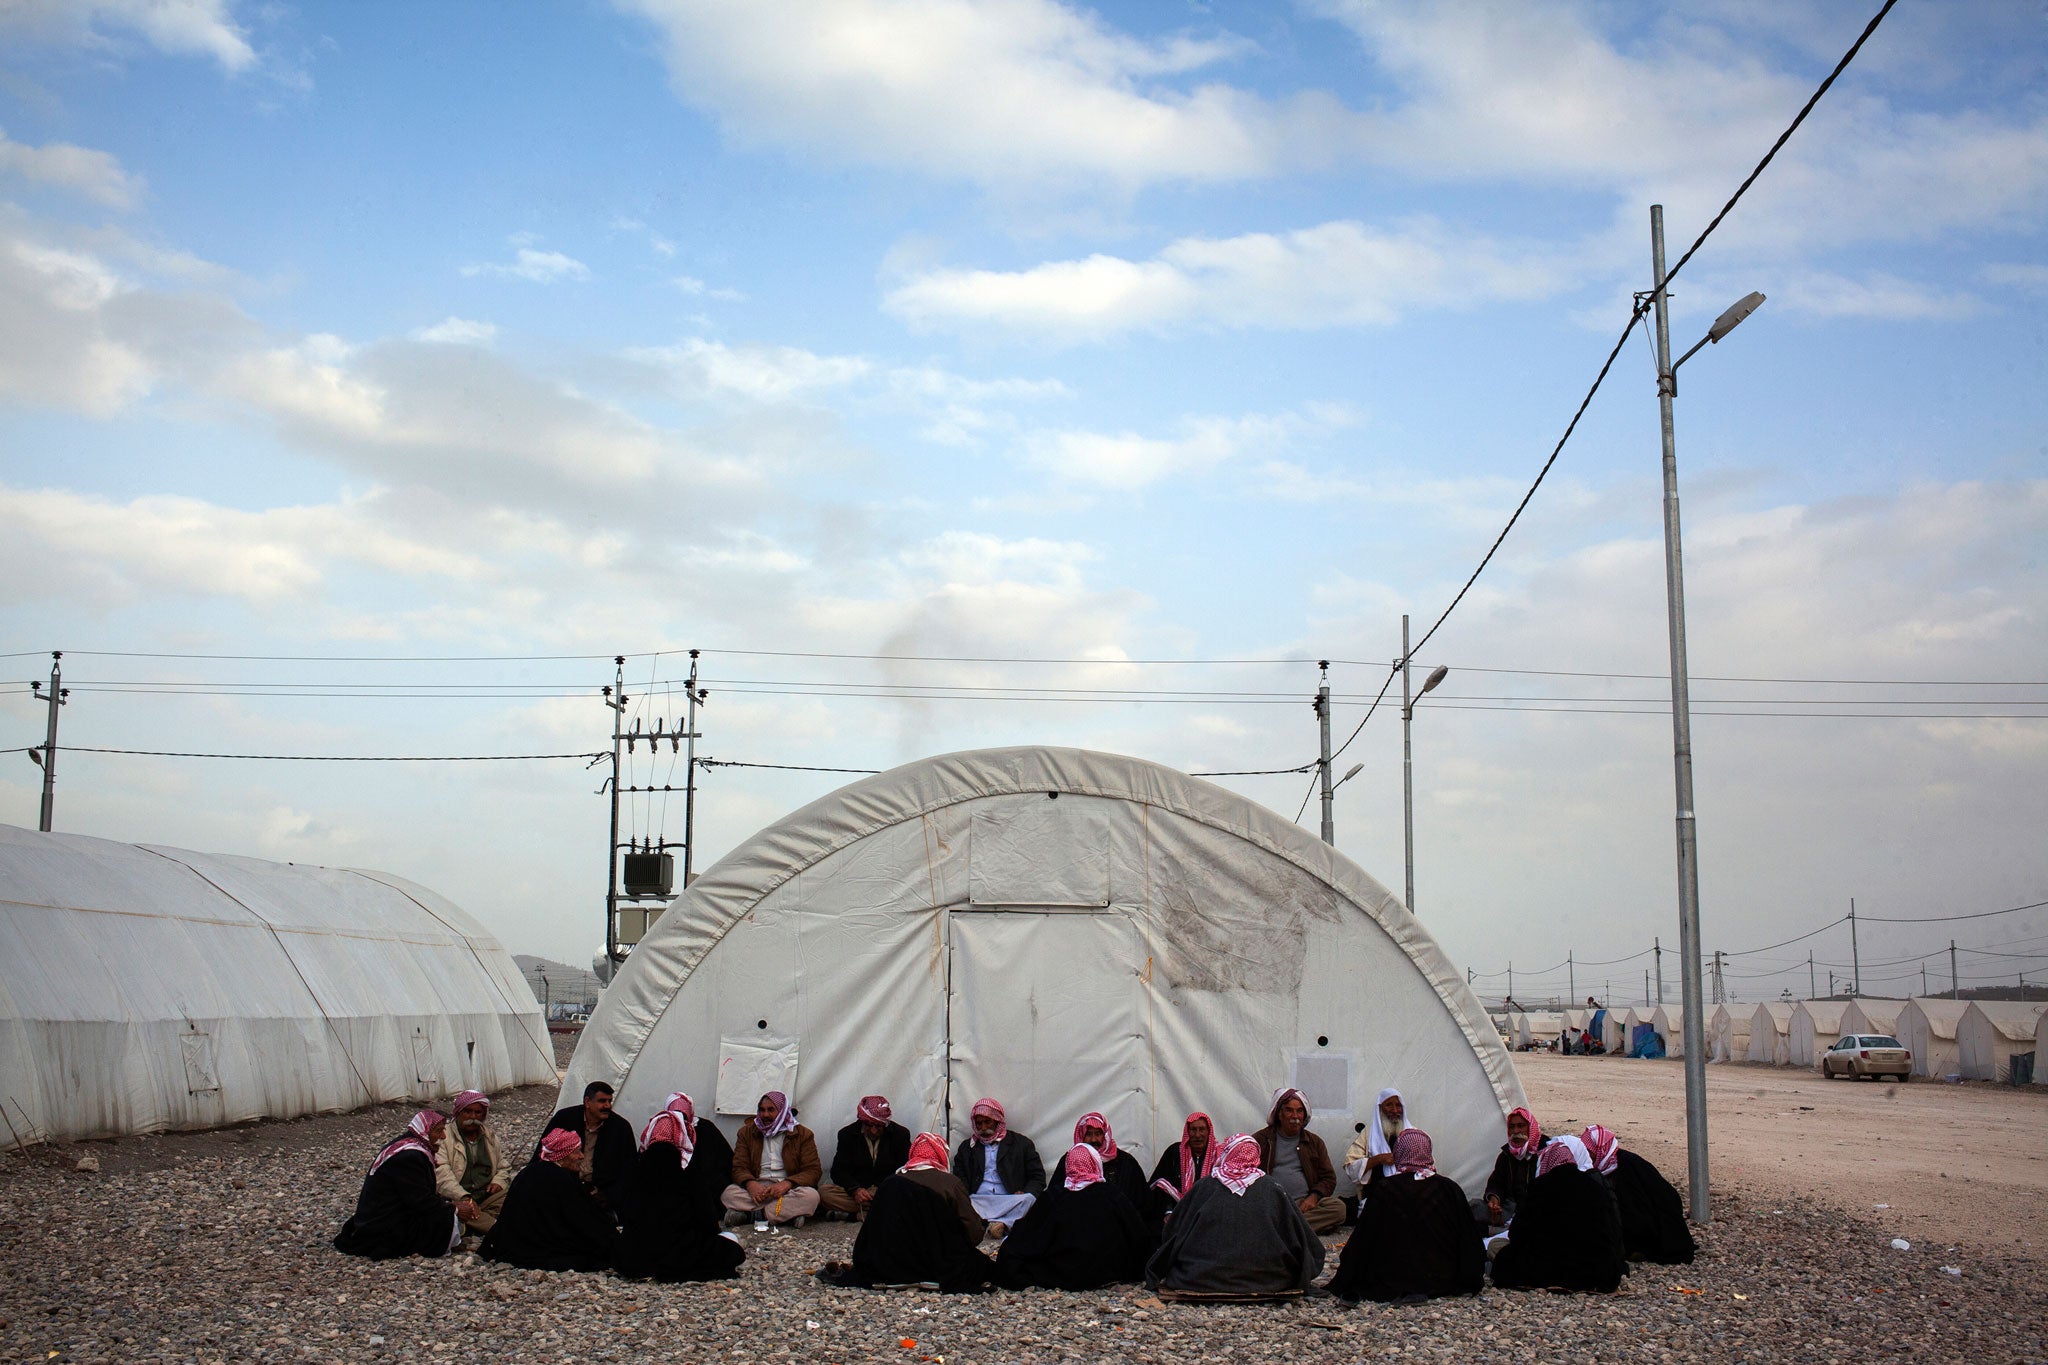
pixel 1954 988
pixel 57 696
pixel 1571 982
pixel 694 695
pixel 1720 993
pixel 1511 979
pixel 1923 978
pixel 1831 985
pixel 1855 957
pixel 615 698
pixel 1322 704
pixel 1658 945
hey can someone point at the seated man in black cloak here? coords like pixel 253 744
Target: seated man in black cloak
pixel 921 1228
pixel 669 1222
pixel 399 1212
pixel 1180 1166
pixel 606 1141
pixel 1236 1235
pixel 1416 1238
pixel 1566 1234
pixel 871 1148
pixel 1119 1167
pixel 1652 1215
pixel 1514 1168
pixel 1081 1234
pixel 549 1223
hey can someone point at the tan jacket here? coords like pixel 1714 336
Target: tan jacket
pixel 800 1162
pixel 455 1160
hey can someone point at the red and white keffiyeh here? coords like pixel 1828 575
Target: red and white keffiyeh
pixel 785 1117
pixel 558 1143
pixel 1237 1165
pixel 1531 1144
pixel 1563 1151
pixel 987 1108
pixel 927 1153
pixel 872 1109
pixel 1108 1138
pixel 1190 1169
pixel 417 1137
pixel 466 1099
pixel 1414 1154
pixel 1084 1166
pixel 1602 1146
pixel 676 1125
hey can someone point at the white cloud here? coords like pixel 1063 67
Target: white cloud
pixel 541 267
pixel 459 332
pixel 1128 461
pixel 83 170
pixel 1335 274
pixel 201 28
pixel 760 373
pixel 60 342
pixel 1876 295
pixel 694 287
pixel 1018 91
pixel 2028 276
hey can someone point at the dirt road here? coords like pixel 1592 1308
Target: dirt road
pixel 1960 1165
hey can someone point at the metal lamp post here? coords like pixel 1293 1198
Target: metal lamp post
pixel 1691 992
pixel 1408 760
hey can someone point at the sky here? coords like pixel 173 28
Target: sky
pixel 961 373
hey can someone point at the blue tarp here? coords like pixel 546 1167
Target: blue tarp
pixel 1646 1043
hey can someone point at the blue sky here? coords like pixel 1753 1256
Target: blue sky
pixel 434 341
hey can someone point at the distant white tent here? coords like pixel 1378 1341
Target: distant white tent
pixel 1065 931
pixel 1770 1025
pixel 1669 1021
pixel 1816 1024
pixel 1927 1026
pixel 1613 1036
pixel 2041 1050
pixel 1728 1031
pixel 145 988
pixel 1869 1014
pixel 1539 1028
pixel 1991 1031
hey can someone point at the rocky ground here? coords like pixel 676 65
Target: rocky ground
pixel 214 1247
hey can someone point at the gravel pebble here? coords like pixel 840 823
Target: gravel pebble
pixel 214 1247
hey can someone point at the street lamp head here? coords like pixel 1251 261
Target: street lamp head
pixel 1437 675
pixel 1356 769
pixel 1732 319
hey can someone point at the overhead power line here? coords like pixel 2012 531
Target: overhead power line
pixel 331 758
pixel 1946 919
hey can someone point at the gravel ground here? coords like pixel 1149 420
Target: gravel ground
pixel 214 1247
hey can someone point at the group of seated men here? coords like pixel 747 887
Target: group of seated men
pixel 1221 1217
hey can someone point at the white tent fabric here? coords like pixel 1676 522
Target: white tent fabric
pixel 1728 1030
pixel 1064 930
pixel 1539 1028
pixel 1927 1026
pixel 1816 1024
pixel 2041 1050
pixel 1870 1014
pixel 1770 1025
pixel 146 988
pixel 1669 1021
pixel 1991 1031
pixel 1612 1035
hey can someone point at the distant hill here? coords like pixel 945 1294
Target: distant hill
pixel 557 983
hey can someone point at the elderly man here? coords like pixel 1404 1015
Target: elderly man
pixel 471 1174
pixel 1298 1162
pixel 1119 1167
pixel 1371 1154
pixel 399 1212
pixel 608 1148
pixel 1000 1169
pixel 775 1167
pixel 1235 1235
pixel 871 1149
pixel 549 1223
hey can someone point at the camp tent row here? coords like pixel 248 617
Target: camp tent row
pixel 1973 1039
pixel 145 988
pixel 1063 930
pixel 1991 1032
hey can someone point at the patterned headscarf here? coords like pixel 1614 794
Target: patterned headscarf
pixel 558 1143
pixel 1189 1171
pixel 1414 1154
pixel 1563 1151
pixel 1108 1138
pixel 1084 1166
pixel 927 1153
pixel 1237 1164
pixel 990 1109
pixel 675 1124
pixel 1280 1097
pixel 1533 1143
pixel 1376 1142
pixel 872 1109
pixel 466 1099
pixel 1603 1147
pixel 415 1138
pixel 785 1117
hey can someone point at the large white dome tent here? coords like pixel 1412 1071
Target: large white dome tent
pixel 146 988
pixel 1065 930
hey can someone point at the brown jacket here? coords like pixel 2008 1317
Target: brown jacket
pixel 800 1162
pixel 455 1161
pixel 1315 1160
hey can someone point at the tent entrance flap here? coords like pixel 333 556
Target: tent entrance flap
pixel 1047 1015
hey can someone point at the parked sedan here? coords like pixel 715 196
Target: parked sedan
pixel 1867 1054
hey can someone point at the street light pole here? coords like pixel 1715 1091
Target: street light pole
pixel 1408 761
pixel 1691 993
pixel 1329 830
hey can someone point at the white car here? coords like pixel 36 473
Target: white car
pixel 1867 1054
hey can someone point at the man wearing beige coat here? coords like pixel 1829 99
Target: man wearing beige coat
pixel 775 1167
pixel 471 1173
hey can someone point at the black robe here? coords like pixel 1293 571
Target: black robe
pixel 1075 1239
pixel 710 1169
pixel 1566 1235
pixel 1157 1203
pixel 1652 1215
pixel 399 1212
pixel 852 1167
pixel 1122 1171
pixel 1224 1243
pixel 611 1165
pixel 1414 1237
pixel 549 1223
pixel 912 1235
pixel 669 1231
pixel 1511 1177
